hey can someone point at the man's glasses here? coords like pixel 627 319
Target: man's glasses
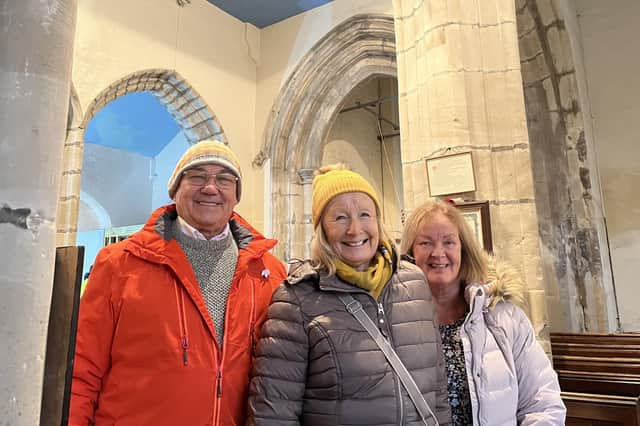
pixel 200 178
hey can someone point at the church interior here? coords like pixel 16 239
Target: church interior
pixel 522 111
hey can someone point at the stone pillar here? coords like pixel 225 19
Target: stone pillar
pixel 306 179
pixel 69 200
pixel 35 71
pixel 460 89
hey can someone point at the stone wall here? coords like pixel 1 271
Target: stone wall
pixel 460 90
pixel 567 204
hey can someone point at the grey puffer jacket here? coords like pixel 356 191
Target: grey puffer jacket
pixel 511 380
pixel 316 365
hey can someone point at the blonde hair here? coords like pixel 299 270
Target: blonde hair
pixel 322 254
pixel 473 264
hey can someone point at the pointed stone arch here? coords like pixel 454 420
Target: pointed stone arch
pixel 182 101
pixel 360 48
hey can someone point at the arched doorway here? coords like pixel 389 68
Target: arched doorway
pixel 304 112
pixel 183 102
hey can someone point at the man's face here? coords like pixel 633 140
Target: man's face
pixel 206 207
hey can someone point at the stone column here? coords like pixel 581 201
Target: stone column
pixel 69 200
pixel 35 71
pixel 306 179
pixel 460 89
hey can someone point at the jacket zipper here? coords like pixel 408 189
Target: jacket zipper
pixel 252 323
pixel 183 325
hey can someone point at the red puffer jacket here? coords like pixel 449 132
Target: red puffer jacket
pixel 146 351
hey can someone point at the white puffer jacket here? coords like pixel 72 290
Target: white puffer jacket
pixel 511 380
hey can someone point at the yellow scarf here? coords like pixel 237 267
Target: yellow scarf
pixel 375 276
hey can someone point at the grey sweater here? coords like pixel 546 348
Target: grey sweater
pixel 214 263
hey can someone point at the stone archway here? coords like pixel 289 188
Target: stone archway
pixel 359 48
pixel 182 101
pixel 571 226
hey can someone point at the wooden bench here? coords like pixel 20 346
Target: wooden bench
pixel 599 377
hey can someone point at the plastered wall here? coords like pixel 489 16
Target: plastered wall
pixel 214 52
pixel 608 37
pixel 285 43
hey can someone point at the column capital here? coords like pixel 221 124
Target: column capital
pixel 306 176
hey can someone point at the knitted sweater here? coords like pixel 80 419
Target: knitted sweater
pixel 213 262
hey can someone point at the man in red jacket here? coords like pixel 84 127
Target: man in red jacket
pixel 168 324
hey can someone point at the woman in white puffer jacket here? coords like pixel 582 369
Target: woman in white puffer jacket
pixel 498 374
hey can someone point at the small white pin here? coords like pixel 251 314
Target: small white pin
pixel 265 273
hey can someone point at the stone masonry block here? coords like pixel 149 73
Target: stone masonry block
pixel 488 13
pixel 524 177
pixel 560 50
pixel 515 98
pixel 525 22
pixel 498 109
pixel 437 12
pixel 510 48
pixel 506 10
pixel 505 175
pixel 530 46
pixel 547 11
pixel 476 108
pixel 409 31
pixel 421 69
pixel 568 91
pixel 492 48
pixel 483 170
pixel 455 47
pixel 411 82
pixel 470 47
pixel 547 85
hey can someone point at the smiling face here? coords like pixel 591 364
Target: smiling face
pixel 207 208
pixel 438 251
pixel 350 226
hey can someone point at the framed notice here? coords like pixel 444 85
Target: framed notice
pixel 476 213
pixel 451 174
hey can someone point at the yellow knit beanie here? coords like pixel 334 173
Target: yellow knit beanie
pixel 206 152
pixel 335 181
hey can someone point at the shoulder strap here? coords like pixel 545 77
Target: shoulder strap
pixel 355 308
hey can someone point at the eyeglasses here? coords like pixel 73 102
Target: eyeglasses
pixel 200 178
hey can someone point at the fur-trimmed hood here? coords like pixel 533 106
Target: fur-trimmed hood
pixel 504 283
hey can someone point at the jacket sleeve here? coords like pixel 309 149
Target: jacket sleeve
pixel 96 324
pixel 539 401
pixel 280 368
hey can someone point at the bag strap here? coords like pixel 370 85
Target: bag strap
pixel 355 308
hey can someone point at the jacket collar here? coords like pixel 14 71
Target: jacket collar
pixel 303 270
pixel 155 243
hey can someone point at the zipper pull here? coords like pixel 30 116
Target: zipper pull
pixel 219 384
pixel 381 326
pixel 185 345
pixel 380 314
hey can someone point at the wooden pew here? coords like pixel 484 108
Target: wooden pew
pixel 599 377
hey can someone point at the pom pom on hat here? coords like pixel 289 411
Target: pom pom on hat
pixel 336 181
pixel 206 152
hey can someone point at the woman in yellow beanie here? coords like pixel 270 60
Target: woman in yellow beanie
pixel 316 361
